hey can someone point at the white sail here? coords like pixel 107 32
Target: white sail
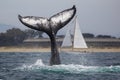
pixel 79 41
pixel 67 42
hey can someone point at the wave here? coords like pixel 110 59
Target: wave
pixel 70 68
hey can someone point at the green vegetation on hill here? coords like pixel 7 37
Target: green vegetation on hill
pixel 16 36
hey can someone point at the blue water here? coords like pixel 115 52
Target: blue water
pixel 75 66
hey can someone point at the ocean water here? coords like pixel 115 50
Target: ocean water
pixel 75 66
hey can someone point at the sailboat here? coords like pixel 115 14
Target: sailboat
pixel 78 40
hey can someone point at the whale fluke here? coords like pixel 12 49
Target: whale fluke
pixel 50 26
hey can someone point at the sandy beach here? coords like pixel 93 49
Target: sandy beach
pixel 24 49
pixel 40 49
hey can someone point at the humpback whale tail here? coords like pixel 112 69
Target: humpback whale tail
pixel 50 26
pixel 55 22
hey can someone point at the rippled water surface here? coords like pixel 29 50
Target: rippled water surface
pixel 75 66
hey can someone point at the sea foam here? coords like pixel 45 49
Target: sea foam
pixel 68 68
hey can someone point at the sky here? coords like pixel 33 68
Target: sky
pixel 94 16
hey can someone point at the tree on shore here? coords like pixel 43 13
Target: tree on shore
pixel 33 33
pixel 12 36
pixel 16 36
pixel 88 35
pixel 105 36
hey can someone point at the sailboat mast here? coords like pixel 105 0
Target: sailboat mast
pixel 74 32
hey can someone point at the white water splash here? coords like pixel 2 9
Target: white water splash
pixel 70 68
pixel 39 63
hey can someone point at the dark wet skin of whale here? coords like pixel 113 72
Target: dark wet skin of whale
pixel 51 27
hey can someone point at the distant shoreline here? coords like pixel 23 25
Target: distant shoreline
pixel 40 49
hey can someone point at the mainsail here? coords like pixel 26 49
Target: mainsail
pixel 78 41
